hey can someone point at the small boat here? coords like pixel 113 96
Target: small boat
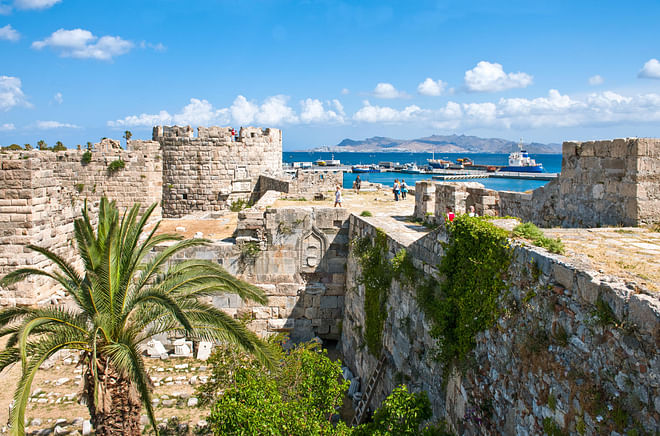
pixel 465 161
pixel 438 163
pixel 320 163
pixel 365 169
pixel 519 161
pixel 411 169
pixel 332 162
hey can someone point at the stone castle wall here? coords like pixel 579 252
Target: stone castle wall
pixel 303 183
pixel 297 255
pixel 210 171
pixel 602 183
pixel 548 363
pixel 42 193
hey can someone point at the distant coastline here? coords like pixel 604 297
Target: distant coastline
pixel 434 144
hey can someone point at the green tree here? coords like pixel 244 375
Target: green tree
pixel 42 145
pixel 14 147
pixel 402 413
pixel 127 136
pixel 298 399
pixel 59 146
pixel 124 296
pixel 28 147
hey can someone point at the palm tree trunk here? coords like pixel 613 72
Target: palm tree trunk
pixel 116 409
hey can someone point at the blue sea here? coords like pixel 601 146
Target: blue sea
pixel 551 164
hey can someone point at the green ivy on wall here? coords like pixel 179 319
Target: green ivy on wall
pixel 475 263
pixel 377 275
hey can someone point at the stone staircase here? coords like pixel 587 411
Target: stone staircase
pixel 368 392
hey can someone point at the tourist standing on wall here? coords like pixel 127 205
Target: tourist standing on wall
pixel 396 190
pixel 338 196
pixel 357 184
pixel 404 189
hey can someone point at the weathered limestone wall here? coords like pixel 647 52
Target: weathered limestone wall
pixel 298 256
pixel 548 358
pixel 602 183
pixel 214 169
pixel 42 193
pixel 303 183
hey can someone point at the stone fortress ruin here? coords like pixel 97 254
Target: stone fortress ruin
pixel 302 257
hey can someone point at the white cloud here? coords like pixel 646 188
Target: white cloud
pixel 197 112
pixel 384 114
pixel 313 111
pixel 35 4
pixel 273 111
pixel 58 98
pixel 345 91
pixel 55 125
pixel 596 80
pixel 387 90
pixel 82 44
pixel 490 77
pixel 7 127
pixel 651 70
pixel 8 33
pixel 156 47
pixel 11 94
pixel 432 87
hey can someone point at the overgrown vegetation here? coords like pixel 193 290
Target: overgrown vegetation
pixel 79 187
pixel 302 397
pixel 366 213
pixel 475 264
pixel 116 165
pixel 86 157
pixel 535 235
pixel 377 275
pixel 238 205
pixel 249 252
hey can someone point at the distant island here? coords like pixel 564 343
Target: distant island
pixel 438 144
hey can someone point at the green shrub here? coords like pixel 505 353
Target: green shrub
pixel 14 147
pixel 299 398
pixel 238 205
pixel 79 187
pixel 534 234
pixel 116 165
pixel 366 213
pixel 401 413
pixel 86 157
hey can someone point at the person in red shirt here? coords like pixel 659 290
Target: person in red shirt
pixel 450 215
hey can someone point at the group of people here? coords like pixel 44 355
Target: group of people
pixel 400 189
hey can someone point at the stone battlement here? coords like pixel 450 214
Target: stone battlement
pixel 247 135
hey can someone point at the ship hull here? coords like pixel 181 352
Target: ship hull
pixel 523 169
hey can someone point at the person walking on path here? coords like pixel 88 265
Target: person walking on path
pixel 357 184
pixel 338 196
pixel 404 189
pixel 396 190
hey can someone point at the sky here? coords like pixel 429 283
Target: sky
pixel 545 71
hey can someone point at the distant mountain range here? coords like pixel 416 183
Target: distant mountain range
pixel 438 144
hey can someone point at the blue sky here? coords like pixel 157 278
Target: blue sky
pixel 547 71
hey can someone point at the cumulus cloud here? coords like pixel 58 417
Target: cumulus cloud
pixel 11 94
pixel 8 33
pixel 387 90
pixel 314 111
pixel 651 70
pixel 273 111
pixel 155 47
pixel 7 127
pixel 432 87
pixel 553 110
pixel 596 80
pixel 383 114
pixel 44 125
pixel 35 4
pixel 82 44
pixel 490 77
pixel 197 112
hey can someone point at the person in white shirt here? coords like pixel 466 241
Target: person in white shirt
pixel 338 196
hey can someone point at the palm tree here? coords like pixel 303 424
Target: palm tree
pixel 125 296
